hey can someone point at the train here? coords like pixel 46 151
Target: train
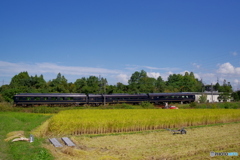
pixel 70 99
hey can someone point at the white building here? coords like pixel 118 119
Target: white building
pixel 211 96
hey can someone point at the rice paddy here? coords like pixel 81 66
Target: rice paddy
pixel 77 122
pixel 154 145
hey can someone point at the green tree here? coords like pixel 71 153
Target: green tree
pixel 175 82
pixel 216 86
pixel 147 85
pixel 139 82
pixel 190 83
pixel 59 84
pixel 235 96
pixel 121 88
pixel 20 80
pixel 160 84
pixel 136 81
pixel 186 83
pixel 79 84
pixel 93 85
pixel 37 82
pixel 102 85
pixel 19 84
pixel 203 98
pixel 224 97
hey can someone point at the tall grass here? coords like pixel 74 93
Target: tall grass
pixel 77 122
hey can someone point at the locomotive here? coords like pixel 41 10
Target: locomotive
pixel 69 99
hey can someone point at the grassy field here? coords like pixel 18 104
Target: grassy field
pixel 77 122
pixel 161 144
pixel 21 150
pixel 120 134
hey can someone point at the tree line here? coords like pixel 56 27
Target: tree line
pixel 139 82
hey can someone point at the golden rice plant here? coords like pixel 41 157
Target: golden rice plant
pixel 77 122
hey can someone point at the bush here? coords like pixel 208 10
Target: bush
pixel 203 98
pixel 193 105
pixel 146 105
pixel 5 106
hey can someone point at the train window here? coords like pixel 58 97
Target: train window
pixel 83 99
pixel 53 98
pixel 45 98
pixel 28 98
pixel 21 98
pixel 61 98
pixel 37 98
pixel 69 98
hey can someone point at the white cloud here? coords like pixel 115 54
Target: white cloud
pixel 234 53
pixel 197 76
pixel 208 75
pixel 152 68
pixel 138 68
pixel 196 65
pixel 50 70
pixel 228 68
pixel 236 81
pixel 183 73
pixel 123 78
pixel 40 68
pixel 153 74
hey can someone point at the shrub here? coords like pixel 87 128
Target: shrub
pixel 146 105
pixel 193 105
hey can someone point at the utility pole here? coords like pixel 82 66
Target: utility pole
pixel 104 91
pixel 212 91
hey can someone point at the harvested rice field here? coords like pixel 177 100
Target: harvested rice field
pixel 154 145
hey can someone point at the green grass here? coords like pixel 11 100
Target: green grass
pixel 21 150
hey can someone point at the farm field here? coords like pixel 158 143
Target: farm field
pixel 161 144
pixel 78 122
pixel 128 134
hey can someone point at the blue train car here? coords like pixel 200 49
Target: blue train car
pixel 158 98
pixel 26 99
pixel 125 98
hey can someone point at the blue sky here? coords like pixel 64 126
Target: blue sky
pixel 115 38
